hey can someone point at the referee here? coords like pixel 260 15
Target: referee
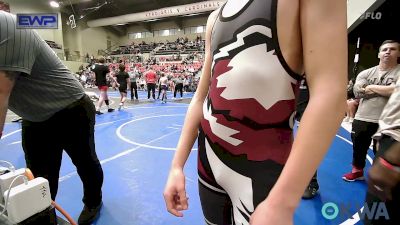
pixel 57 114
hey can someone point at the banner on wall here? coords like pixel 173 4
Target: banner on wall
pixel 180 10
pixel 4 6
pixel 183 9
pixel 37 21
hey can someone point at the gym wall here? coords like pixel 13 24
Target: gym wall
pixel 381 24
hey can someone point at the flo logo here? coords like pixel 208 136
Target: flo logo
pixel 371 15
pixel 377 210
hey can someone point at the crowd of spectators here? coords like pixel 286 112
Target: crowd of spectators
pixel 180 60
pixel 186 69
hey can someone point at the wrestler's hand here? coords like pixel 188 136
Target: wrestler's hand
pixel 267 214
pixel 174 193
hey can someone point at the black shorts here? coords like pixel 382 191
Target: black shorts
pixel 122 88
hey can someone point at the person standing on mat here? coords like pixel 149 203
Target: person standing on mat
pixel 151 78
pixel 178 85
pixel 164 87
pixel 101 71
pixel 134 77
pixel 123 82
pixel 57 114
pixel 374 87
pixel 251 171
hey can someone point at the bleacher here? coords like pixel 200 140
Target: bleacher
pixel 181 46
pixel 132 49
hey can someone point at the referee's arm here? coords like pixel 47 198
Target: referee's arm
pixel 7 80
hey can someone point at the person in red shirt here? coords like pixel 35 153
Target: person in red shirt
pixel 151 78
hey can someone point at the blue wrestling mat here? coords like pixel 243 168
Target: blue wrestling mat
pixel 136 146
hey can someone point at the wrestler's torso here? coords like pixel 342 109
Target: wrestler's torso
pixel 251 101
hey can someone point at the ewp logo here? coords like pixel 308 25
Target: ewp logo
pixel 37 21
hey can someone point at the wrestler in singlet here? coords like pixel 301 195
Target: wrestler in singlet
pixel 246 133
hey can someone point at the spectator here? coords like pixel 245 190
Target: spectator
pixel 374 86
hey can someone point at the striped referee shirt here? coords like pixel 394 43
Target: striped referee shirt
pixel 45 86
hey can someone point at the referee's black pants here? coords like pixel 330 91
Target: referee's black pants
pixel 134 90
pixel 178 87
pixel 72 130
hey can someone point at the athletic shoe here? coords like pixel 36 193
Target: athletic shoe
pixel 111 110
pixel 311 191
pixel 19 119
pixel 98 113
pixel 353 176
pixel 89 215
